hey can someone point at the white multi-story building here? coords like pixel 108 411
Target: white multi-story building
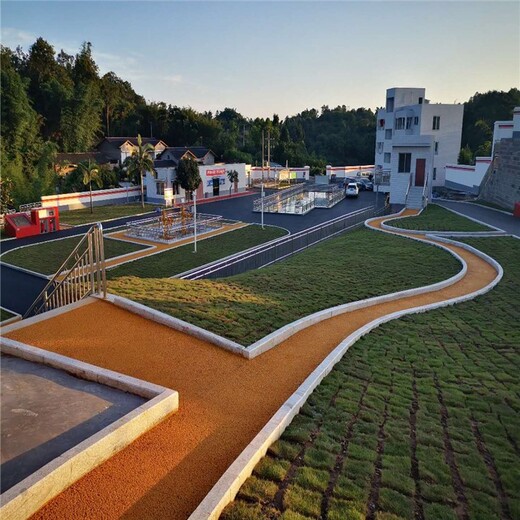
pixel 414 141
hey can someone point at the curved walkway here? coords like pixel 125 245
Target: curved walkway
pixel 224 399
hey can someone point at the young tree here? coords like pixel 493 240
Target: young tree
pixel 90 173
pixel 141 162
pixel 232 175
pixel 188 175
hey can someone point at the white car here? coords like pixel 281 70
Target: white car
pixel 352 190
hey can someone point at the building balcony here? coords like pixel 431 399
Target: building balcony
pixel 402 140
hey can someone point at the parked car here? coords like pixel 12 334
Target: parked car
pixel 367 185
pixel 352 189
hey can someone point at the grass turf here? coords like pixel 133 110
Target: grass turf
pixel 419 420
pixel 181 259
pixel 245 308
pixel 47 257
pixel 83 216
pixel 437 218
pixel 5 315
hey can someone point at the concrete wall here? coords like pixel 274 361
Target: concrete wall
pixel 99 198
pixel 501 185
pixel 465 177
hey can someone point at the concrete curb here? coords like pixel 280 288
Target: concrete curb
pixel 27 271
pixel 177 324
pixel 48 315
pixel 29 495
pixel 228 485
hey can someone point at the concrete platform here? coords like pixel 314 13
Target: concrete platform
pixel 45 412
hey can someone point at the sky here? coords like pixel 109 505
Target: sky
pixel 282 57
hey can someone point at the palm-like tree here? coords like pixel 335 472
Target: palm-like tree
pixel 90 173
pixel 232 175
pixel 140 162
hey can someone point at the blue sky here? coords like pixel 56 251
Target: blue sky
pixel 283 57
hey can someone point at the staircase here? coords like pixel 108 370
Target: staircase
pixel 81 275
pixel 414 199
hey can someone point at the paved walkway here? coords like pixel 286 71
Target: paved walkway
pixel 508 223
pixel 224 399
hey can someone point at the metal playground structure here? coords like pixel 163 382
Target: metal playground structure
pixel 173 225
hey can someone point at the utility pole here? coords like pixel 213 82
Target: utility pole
pixel 194 221
pixel 262 197
pixel 268 153
pixel 263 155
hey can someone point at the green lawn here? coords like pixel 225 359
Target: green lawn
pixel 83 216
pixel 182 259
pixel 47 257
pixel 419 420
pixel 437 218
pixel 246 307
pixel 5 315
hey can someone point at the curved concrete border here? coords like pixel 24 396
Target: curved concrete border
pixel 497 231
pixel 276 337
pixel 228 485
pixel 29 495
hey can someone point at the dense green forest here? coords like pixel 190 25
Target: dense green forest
pixel 56 102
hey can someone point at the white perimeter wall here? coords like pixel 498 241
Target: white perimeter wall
pixel 466 175
pixel 80 200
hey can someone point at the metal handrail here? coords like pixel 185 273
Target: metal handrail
pixel 198 273
pixel 86 276
pixel 409 187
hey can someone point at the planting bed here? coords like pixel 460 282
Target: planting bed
pixel 180 259
pixel 101 213
pixel 245 308
pixel 420 420
pixel 437 218
pixel 47 257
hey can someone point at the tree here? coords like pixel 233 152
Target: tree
pixel 6 199
pixel 232 175
pixel 140 162
pixel 188 175
pixel 465 155
pixel 90 172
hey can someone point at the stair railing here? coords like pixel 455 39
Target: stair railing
pixel 82 274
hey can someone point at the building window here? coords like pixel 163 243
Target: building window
pixel 387 158
pixel 416 120
pixel 405 161
pixel 381 124
pixel 388 134
pixel 435 174
pixel 399 123
pixel 380 147
pixel 420 100
pixel 436 147
pixel 409 123
pixel 390 104
pixel 159 187
pixel 436 122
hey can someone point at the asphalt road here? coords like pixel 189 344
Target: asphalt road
pixel 19 289
pixel 507 223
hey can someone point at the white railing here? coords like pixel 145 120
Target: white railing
pixel 81 275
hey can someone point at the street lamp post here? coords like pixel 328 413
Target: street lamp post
pixel 194 222
pixel 262 197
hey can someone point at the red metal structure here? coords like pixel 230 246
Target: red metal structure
pixel 35 222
